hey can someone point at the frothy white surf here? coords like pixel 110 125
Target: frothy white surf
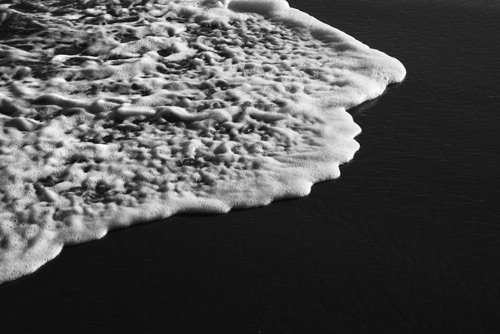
pixel 119 112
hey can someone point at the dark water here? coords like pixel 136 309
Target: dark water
pixel 406 241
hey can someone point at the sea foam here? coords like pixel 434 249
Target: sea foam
pixel 114 113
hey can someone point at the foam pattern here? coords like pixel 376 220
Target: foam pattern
pixel 114 113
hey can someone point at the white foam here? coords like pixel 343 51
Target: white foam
pixel 263 7
pixel 112 116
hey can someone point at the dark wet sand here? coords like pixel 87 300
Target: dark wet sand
pixel 406 241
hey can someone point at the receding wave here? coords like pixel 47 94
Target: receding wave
pixel 114 113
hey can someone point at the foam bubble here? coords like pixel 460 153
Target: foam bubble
pixel 120 114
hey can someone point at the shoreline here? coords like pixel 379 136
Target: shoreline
pixel 404 241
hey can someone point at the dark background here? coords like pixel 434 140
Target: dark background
pixel 407 240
